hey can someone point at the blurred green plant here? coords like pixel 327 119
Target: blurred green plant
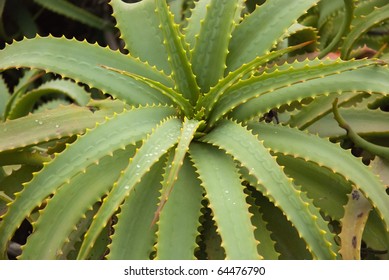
pixel 205 148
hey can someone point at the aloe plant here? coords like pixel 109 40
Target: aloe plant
pixel 177 165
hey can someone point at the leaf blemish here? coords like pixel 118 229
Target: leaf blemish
pixel 354 242
pixel 355 195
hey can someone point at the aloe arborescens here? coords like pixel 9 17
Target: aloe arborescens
pixel 184 169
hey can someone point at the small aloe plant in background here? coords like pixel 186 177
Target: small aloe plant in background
pixel 205 148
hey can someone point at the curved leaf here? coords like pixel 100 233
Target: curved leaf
pixel 129 17
pixel 133 237
pixel 179 219
pixel 211 98
pixel 273 183
pixel 29 76
pixel 81 62
pixel 188 131
pixel 320 107
pixel 313 148
pixel 118 132
pixel 365 122
pixel 358 140
pixel 370 20
pixel 4 97
pixel 342 30
pixel 327 189
pixel 290 82
pixel 23 105
pixel 155 146
pixel 55 223
pixel 175 96
pixel 185 81
pixel 223 188
pixel 353 80
pixel 42 127
pixel 255 37
pixel 211 47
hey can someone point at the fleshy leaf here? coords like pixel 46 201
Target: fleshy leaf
pixel 223 188
pixel 155 146
pixel 130 16
pixel 81 61
pixel 188 131
pixel 313 148
pixel 273 183
pixel 252 38
pixel 23 105
pixel 133 237
pixel 179 219
pixel 182 74
pixel 211 47
pixel 116 133
pixel 55 223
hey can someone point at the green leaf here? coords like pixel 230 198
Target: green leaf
pixel 117 132
pixel 130 17
pixel 364 121
pixel 342 30
pixel 358 140
pixel 155 146
pixel 252 38
pixel 375 234
pixel 55 223
pixel 273 183
pixel 194 22
pixel 256 96
pixel 327 189
pixel 350 76
pixel 211 98
pixel 22 86
pixel 23 105
pixel 42 127
pixel 313 148
pixel 211 47
pixel 74 12
pixel 188 131
pixel 372 19
pixel 82 62
pixel 175 44
pixel 288 244
pixel 320 107
pixel 223 188
pixel 4 97
pixel 12 184
pixel 179 219
pixel 134 238
pixel 175 96
pixel 266 247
